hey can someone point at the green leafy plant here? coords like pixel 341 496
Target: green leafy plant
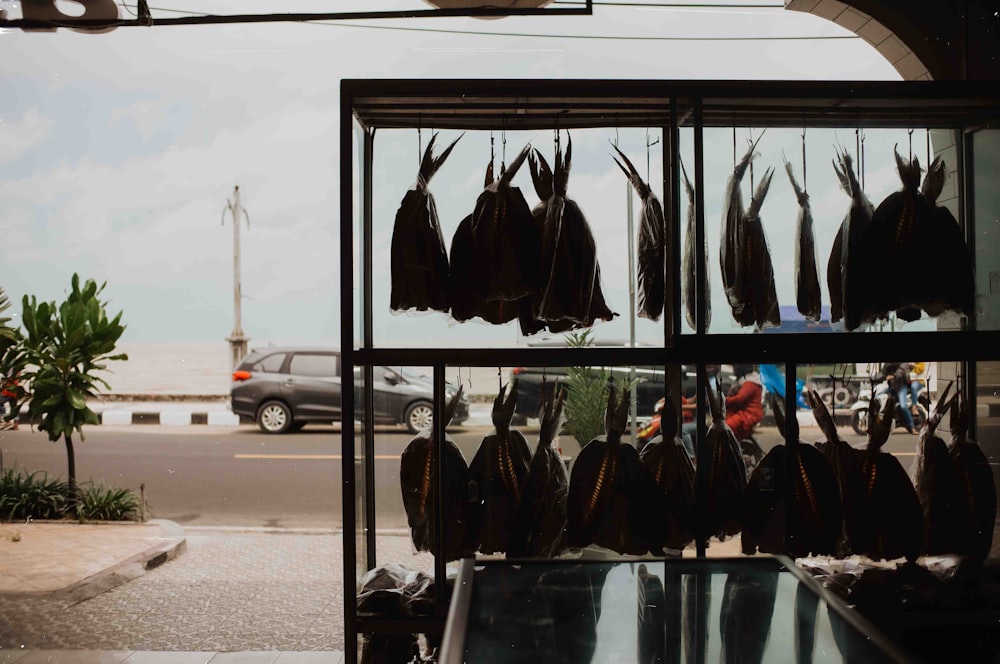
pixel 100 503
pixel 586 394
pixel 64 347
pixel 26 495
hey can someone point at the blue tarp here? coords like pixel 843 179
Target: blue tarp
pixel 774 382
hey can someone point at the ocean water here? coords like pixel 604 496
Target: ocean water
pixel 203 370
pixel 161 369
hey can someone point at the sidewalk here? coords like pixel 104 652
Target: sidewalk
pixel 64 564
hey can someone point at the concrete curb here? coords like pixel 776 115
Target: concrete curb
pixel 172 417
pixel 131 568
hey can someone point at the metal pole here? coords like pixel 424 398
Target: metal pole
pixel 634 406
pixel 237 340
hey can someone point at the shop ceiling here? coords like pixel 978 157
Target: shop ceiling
pixel 569 104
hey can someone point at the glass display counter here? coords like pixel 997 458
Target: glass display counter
pixel 760 609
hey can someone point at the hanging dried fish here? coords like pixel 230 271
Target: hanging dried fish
pixel 668 462
pixel 938 487
pixel 891 523
pixel 612 498
pixel 954 288
pixel 419 260
pixel 539 528
pixel 652 249
pixel 720 475
pixel 571 276
pixel 978 489
pixel 495 477
pixel 470 277
pixel 651 645
pixel 690 292
pixel 732 242
pixel 745 617
pixel 796 516
pixel 807 295
pixel 846 270
pixel 845 462
pixel 417 477
pixel 506 237
pixel 892 237
pixel 754 269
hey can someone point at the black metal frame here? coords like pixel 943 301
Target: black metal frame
pixel 544 104
pixel 585 8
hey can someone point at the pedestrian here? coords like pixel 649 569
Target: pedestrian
pixel 8 399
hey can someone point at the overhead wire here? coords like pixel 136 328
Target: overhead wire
pixel 533 35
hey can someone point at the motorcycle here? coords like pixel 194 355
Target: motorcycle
pixel 859 409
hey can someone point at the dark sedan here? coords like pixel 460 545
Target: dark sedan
pixel 283 389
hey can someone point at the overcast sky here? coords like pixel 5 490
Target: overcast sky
pixel 118 151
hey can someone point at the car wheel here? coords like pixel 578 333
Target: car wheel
pixel 274 417
pixel 419 416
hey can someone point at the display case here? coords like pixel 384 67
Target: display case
pixel 684 140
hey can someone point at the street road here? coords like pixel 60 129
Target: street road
pixel 209 476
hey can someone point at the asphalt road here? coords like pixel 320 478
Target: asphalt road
pixel 209 476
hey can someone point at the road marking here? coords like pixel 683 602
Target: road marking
pixel 306 456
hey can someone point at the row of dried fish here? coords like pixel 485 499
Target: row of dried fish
pixel 507 261
pixel 905 228
pixel 828 499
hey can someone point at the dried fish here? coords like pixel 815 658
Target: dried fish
pixel 571 276
pixel 417 477
pixel 797 515
pixel 731 235
pixel 754 269
pixel 539 528
pixel 978 488
pixel 652 249
pixel 846 273
pixel 954 288
pixel 690 304
pixel 845 462
pixel 938 486
pixel 419 261
pixel 670 466
pixel 612 498
pixel 495 477
pixel 891 523
pixel 720 475
pixel 807 295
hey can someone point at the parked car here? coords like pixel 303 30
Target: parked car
pixel 283 389
pixel 533 381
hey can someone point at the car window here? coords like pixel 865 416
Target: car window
pixel 270 364
pixel 305 364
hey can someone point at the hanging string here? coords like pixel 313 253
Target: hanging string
pixel 616 131
pixel 649 145
pixel 420 146
pixel 750 132
pixel 734 144
pixel 492 153
pixel 499 380
pixel 805 187
pixel 927 136
pixel 909 133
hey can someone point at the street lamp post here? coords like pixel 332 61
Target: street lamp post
pixel 237 340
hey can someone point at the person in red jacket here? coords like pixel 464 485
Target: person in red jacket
pixel 745 401
pixel 8 397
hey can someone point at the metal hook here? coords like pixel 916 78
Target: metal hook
pixel 750 141
pixel 420 146
pixel 649 145
pixel 909 134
